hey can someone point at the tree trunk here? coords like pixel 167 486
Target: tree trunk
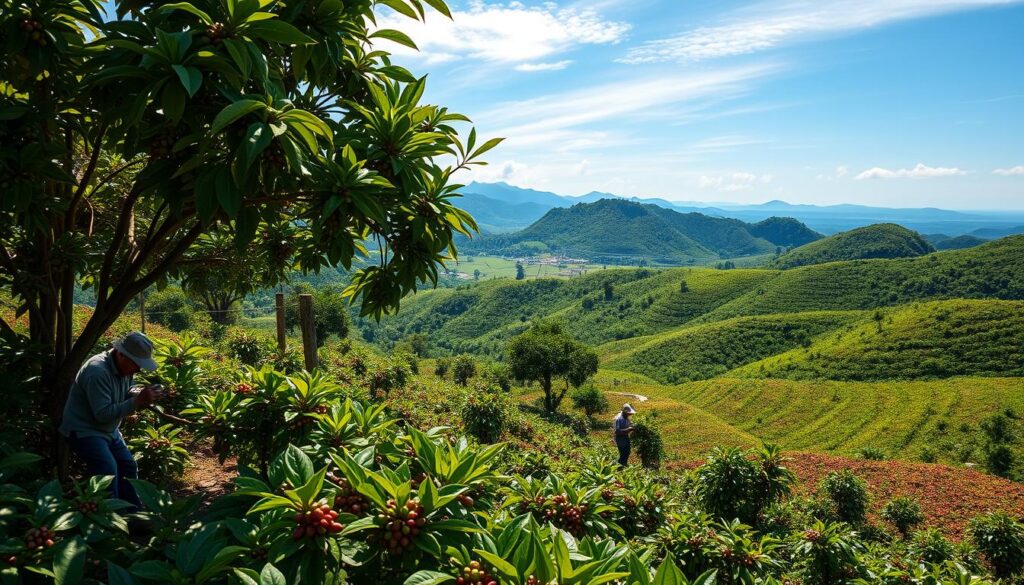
pixel 549 398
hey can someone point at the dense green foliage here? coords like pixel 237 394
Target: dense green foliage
pixel 883 240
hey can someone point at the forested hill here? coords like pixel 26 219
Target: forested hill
pixel 883 240
pixel 611 228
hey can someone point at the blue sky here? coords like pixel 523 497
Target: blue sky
pixel 902 103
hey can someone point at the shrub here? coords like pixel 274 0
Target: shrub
pixel 247 346
pixel 725 482
pixel 1000 539
pixel 871 453
pixel 496 374
pixel 999 460
pixel 589 399
pixel 160 454
pixel 171 308
pixel 904 513
pixel 646 439
pixel 484 414
pixel 441 367
pixel 930 546
pixel 463 368
pixel 848 495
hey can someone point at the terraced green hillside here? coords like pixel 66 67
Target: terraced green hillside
pixel 883 240
pixel 708 350
pixel 928 340
pixel 903 419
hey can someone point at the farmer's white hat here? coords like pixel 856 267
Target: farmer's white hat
pixel 627 408
pixel 138 348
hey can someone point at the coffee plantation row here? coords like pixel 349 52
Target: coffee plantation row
pixel 361 473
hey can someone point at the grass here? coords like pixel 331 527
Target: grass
pixel 937 339
pixel 712 349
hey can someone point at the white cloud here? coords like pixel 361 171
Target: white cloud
pixel 556 66
pixel 767 26
pixel 842 171
pixel 503 33
pixel 738 181
pixel 920 171
pixel 557 118
pixel 1017 170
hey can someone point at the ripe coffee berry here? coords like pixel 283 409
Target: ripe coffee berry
pixel 315 520
pixel 400 524
pixel 41 537
pixel 475 574
pixel 243 388
pixel 85 507
pixel 348 499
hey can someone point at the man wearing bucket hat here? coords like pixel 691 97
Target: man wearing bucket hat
pixel 100 398
pixel 623 428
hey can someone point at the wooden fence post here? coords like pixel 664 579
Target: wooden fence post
pixel 281 341
pixel 308 326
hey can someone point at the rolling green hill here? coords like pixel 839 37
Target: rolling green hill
pixel 784 231
pixel 611 229
pixel 938 339
pixel 883 240
pixel 903 419
pixel 480 317
pixel 708 350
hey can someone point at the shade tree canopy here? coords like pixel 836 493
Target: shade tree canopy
pixel 137 134
pixel 545 353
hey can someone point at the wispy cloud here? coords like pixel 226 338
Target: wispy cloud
pixel 555 117
pixel 503 33
pixel 719 144
pixel 920 171
pixel 767 26
pixel 1017 170
pixel 738 181
pixel 556 66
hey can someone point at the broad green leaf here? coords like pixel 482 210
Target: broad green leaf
pixel 278 31
pixel 187 7
pixel 668 573
pixel 191 78
pixel 116 575
pixel 69 561
pixel 235 111
pixel 428 578
pixel 272 576
pixel 395 36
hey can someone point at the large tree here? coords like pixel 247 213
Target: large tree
pixel 544 353
pixel 129 137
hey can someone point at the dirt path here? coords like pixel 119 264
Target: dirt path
pixel 638 397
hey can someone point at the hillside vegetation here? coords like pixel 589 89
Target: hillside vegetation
pixel 884 240
pixel 902 419
pixel 479 318
pixel 615 229
pixel 709 350
pixel 929 340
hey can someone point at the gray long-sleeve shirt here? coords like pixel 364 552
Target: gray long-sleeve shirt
pixel 99 399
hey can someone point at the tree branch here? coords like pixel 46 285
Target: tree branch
pixel 115 243
pixel 83 181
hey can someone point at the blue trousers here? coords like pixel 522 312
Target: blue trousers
pixel 624 448
pixel 103 456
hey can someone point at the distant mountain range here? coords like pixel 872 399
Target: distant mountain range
pixel 610 230
pixel 500 207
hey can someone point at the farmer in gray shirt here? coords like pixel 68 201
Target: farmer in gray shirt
pixel 623 428
pixel 100 398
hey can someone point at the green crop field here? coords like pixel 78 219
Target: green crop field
pixel 903 419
